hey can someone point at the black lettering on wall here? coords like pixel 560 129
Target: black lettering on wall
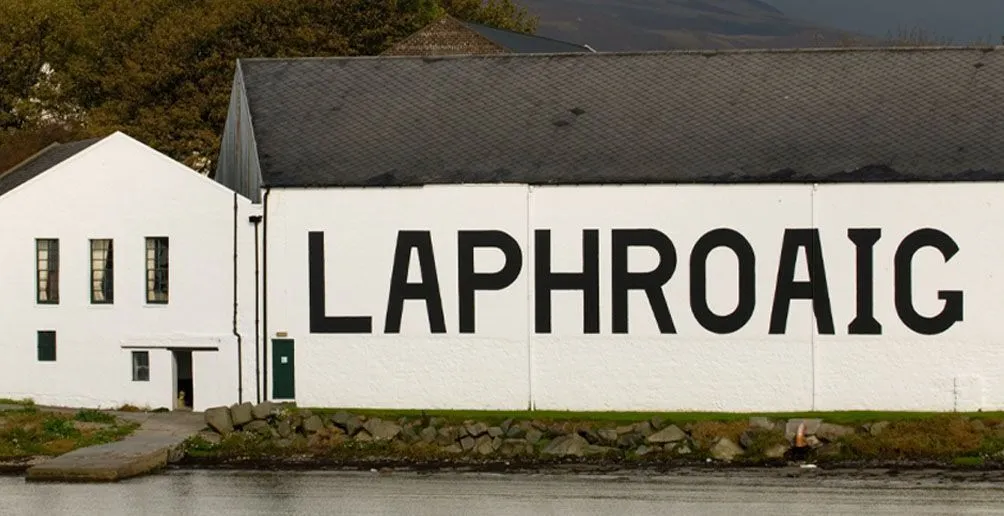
pixel 588 281
pixel 787 288
pixel 319 321
pixel 952 310
pixel 722 324
pixel 651 282
pixel 864 322
pixel 468 281
pixel 426 290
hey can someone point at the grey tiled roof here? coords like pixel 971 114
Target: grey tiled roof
pixel 666 117
pixel 520 43
pixel 44 160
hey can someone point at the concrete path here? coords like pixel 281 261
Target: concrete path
pixel 151 447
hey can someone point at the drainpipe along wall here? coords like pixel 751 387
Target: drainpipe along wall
pixel 255 219
pixel 264 293
pixel 240 351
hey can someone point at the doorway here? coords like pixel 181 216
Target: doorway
pixel 183 384
pixel 283 375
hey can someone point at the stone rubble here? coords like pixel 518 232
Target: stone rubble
pixel 286 426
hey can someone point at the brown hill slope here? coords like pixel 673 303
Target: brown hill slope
pixel 625 25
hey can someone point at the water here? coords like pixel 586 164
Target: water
pixel 291 493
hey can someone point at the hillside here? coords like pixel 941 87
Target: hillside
pixel 618 25
pixel 958 21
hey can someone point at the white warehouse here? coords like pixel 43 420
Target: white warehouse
pixel 742 231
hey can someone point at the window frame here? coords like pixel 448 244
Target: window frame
pixel 51 288
pixel 137 367
pixel 160 250
pixel 45 357
pixel 108 273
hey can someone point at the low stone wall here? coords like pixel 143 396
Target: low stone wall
pixel 253 430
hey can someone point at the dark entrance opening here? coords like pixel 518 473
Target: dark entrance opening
pixel 183 385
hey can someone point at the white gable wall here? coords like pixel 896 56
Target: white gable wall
pixel 123 190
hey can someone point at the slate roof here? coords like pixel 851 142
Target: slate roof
pixel 44 160
pixel 521 43
pixel 924 114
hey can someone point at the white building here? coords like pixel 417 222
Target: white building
pixel 749 230
pixel 743 231
pixel 118 278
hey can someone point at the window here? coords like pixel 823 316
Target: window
pixel 47 270
pixel 141 366
pixel 102 278
pixel 46 346
pixel 156 270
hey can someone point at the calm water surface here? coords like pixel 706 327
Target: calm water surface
pixel 293 493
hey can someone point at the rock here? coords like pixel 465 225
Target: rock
pixel 341 418
pixel 791 428
pixel 382 430
pixel 644 428
pixel 877 428
pixel 567 445
pixel 467 443
pixel 683 449
pixel 497 443
pixel 240 414
pixel 312 425
pixel 447 436
pixel 284 442
pixel 594 449
pixel 506 425
pixel 483 445
pixel 259 427
pixel 830 432
pixel 533 436
pixel 657 422
pixel 363 436
pixel 725 450
pixel 218 418
pixel 436 422
pixel 476 429
pixel 607 434
pixel 978 425
pixel 284 429
pixel 748 436
pixel 409 434
pixel 428 434
pixel 670 434
pixel 627 429
pixel 762 423
pixel 515 432
pixel 630 440
pixel 643 450
pixel 453 448
pixel 263 410
pixel 496 432
pixel 775 452
pixel 211 437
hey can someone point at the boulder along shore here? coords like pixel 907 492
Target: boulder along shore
pixel 282 436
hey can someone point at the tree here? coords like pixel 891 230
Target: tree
pixel 161 70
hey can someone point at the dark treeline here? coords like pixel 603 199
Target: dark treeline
pixel 161 70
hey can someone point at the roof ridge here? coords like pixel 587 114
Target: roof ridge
pixel 21 163
pixel 527 34
pixel 608 54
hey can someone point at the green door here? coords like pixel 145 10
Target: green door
pixel 282 369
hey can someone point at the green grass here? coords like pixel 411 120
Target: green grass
pixel 843 418
pixel 28 432
pixel 25 402
pixel 94 416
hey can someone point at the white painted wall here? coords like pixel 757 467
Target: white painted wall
pixel 507 365
pixel 120 189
